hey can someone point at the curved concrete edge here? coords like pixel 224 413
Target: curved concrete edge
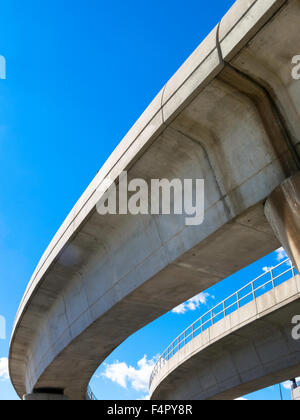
pixel 195 74
pixel 243 21
pixel 236 29
pixel 270 302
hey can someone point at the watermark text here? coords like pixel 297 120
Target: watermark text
pixel 296 68
pixel 156 197
pixel 296 329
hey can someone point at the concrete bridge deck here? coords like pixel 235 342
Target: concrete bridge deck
pixel 250 349
pixel 230 115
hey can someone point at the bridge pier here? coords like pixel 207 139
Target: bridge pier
pixel 282 210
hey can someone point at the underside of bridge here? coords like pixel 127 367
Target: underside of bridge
pixel 230 116
pixel 251 349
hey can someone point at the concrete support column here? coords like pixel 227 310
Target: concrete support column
pixel 282 210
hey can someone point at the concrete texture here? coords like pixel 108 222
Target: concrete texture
pixel 44 397
pixel 282 210
pixel 248 350
pixel 228 116
pixel 296 394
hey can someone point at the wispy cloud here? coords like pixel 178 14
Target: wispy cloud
pixel 281 254
pixel 193 304
pixel 145 398
pixel 126 375
pixel 4 369
pixel 267 269
pixel 289 384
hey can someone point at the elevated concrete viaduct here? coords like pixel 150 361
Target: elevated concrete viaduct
pixel 230 115
pixel 250 349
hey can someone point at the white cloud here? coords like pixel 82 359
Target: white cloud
pixel 281 254
pixel 145 398
pixel 289 384
pixel 181 309
pixel 124 375
pixel 4 369
pixel 193 304
pixel 267 269
pixel 241 399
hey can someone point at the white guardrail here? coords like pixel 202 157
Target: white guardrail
pixel 277 275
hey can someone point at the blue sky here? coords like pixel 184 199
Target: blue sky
pixel 79 74
pixel 122 377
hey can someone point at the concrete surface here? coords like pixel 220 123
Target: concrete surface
pixel 248 350
pixel 282 210
pixel 229 115
pixel 44 397
pixel 296 394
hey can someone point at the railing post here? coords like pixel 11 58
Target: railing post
pixel 212 317
pixel 238 299
pixel 272 277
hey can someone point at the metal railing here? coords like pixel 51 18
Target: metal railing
pixel 246 294
pixel 90 396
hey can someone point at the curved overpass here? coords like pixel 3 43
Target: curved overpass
pixel 245 344
pixel 230 115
